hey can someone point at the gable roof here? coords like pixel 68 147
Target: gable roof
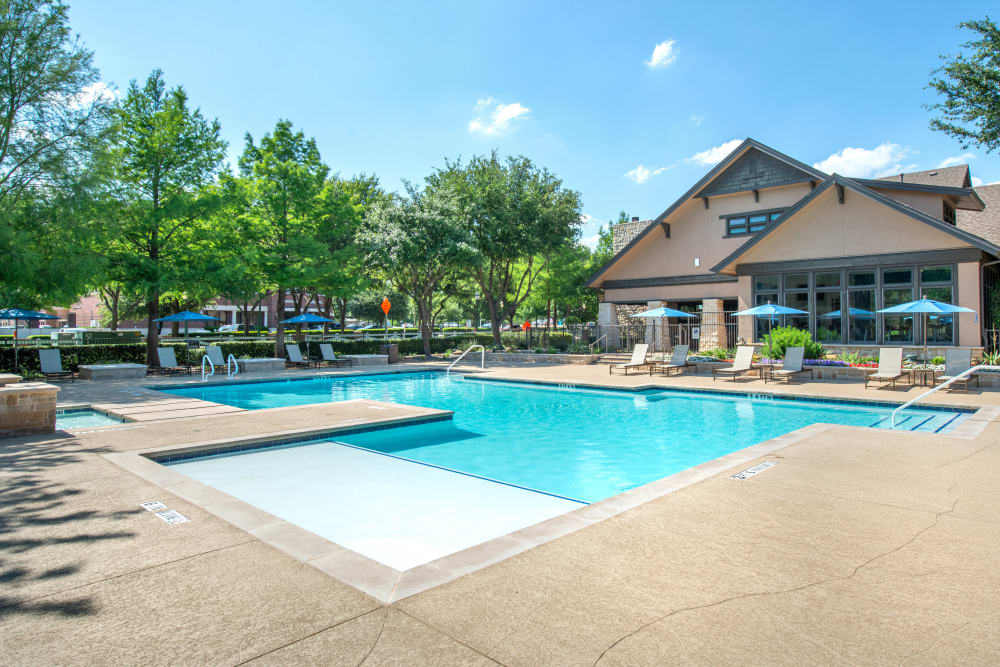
pixel 984 223
pixel 964 198
pixel 723 164
pixel 854 186
pixel 952 177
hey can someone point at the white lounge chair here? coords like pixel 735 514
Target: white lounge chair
pixel 957 360
pixel 890 367
pixel 742 364
pixel 168 362
pixel 638 359
pixel 678 361
pixel 295 357
pixel 330 357
pixel 51 363
pixel 790 366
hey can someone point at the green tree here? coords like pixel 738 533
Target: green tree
pixel 417 240
pixel 970 84
pixel 52 112
pixel 163 157
pixel 290 204
pixel 516 216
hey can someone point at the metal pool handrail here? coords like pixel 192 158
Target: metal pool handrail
pixel 231 372
pixel 892 418
pixel 203 360
pixel 591 346
pixel 482 361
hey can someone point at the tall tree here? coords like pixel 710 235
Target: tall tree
pixel 970 84
pixel 163 158
pixel 52 109
pixel 290 202
pixel 417 240
pixel 516 216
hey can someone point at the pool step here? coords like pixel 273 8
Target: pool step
pixel 922 422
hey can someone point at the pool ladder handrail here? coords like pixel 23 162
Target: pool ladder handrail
pixel 482 361
pixel 231 371
pixel 892 418
pixel 591 346
pixel 205 358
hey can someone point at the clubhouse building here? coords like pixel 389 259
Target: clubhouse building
pixel 764 227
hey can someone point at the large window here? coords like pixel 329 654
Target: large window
pixel 844 304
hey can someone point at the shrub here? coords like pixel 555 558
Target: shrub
pixel 785 337
pixel 718 353
pixel 937 361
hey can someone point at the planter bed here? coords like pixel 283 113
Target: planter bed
pixel 535 357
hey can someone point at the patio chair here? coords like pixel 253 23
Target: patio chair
pixel 296 359
pixel 51 363
pixel 743 363
pixel 678 361
pixel 214 353
pixel 168 362
pixel 791 366
pixel 890 367
pixel 638 359
pixel 956 361
pixel 330 357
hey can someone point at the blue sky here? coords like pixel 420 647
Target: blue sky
pixel 629 103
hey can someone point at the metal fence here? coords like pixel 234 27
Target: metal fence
pixel 708 330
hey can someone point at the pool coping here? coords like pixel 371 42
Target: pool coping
pixel 388 585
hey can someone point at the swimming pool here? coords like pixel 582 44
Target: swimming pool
pixel 576 443
pixel 83 418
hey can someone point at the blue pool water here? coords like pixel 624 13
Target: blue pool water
pixel 578 443
pixel 75 419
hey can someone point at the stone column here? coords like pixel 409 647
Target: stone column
pixel 713 325
pixel 746 323
pixel 607 323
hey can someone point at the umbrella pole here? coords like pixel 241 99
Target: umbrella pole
pixel 15 345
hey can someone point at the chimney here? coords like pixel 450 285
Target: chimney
pixel 635 218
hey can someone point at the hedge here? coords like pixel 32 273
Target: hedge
pixel 75 355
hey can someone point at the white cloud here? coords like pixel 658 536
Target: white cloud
pixel 883 160
pixel 640 174
pixel 956 160
pixel 496 120
pixel 696 119
pixel 589 225
pixel 664 54
pixel 95 92
pixel 976 181
pixel 712 156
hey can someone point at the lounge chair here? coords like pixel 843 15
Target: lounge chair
pixel 638 359
pixel 791 366
pixel 956 361
pixel 330 357
pixel 51 363
pixel 296 359
pixel 214 354
pixel 890 367
pixel 743 363
pixel 168 362
pixel 678 361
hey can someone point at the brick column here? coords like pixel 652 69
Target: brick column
pixel 27 407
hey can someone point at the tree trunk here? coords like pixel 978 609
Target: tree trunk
pixel 152 334
pixel 495 319
pixel 423 311
pixel 279 334
pixel 342 307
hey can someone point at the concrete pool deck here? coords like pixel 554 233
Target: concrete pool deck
pixel 857 546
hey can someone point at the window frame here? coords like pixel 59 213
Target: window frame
pixel 772 215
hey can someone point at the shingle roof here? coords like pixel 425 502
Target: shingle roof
pixel 985 223
pixel 952 177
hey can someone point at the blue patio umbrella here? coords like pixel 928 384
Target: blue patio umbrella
pixel 22 314
pixel 925 306
pixel 859 313
pixel 186 316
pixel 307 318
pixel 663 312
pixel 770 311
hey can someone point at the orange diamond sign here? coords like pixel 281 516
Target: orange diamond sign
pixel 386 306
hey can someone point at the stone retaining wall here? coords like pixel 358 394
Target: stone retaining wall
pixel 27 407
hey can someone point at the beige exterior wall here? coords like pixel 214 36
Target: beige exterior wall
pixel 697 232
pixel 926 202
pixel 859 226
pixel 968 296
pixel 672 293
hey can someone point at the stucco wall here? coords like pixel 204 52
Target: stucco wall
pixel 672 292
pixel 697 232
pixel 859 226
pixel 968 296
pixel 927 202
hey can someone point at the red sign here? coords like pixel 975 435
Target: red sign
pixel 386 306
pixel 527 325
